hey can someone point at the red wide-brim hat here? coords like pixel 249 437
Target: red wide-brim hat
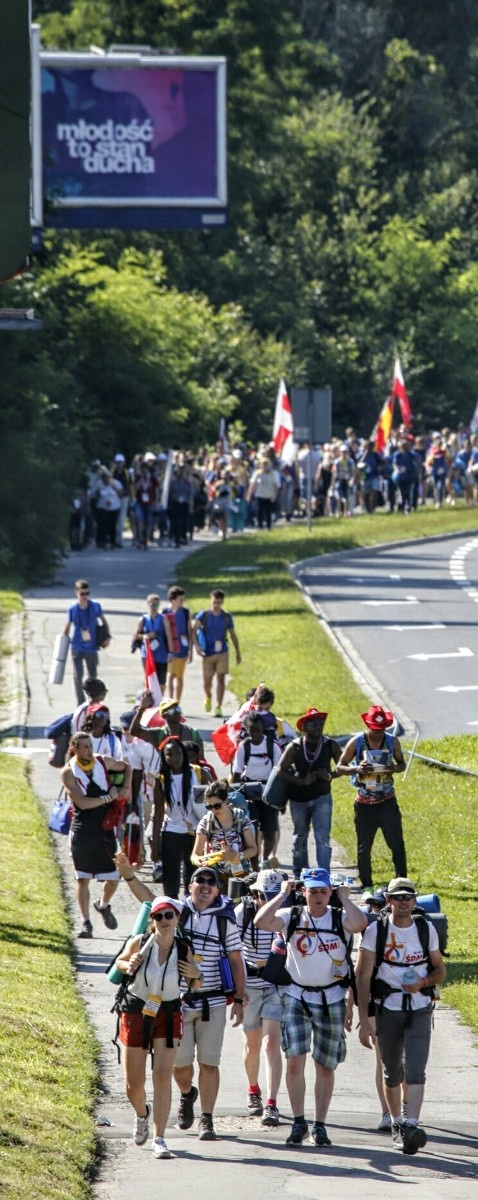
pixel 310 715
pixel 377 717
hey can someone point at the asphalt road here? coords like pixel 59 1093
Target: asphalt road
pixel 407 614
pixel 247 1160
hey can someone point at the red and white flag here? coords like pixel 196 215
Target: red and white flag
pixel 283 431
pixel 152 681
pixel 399 390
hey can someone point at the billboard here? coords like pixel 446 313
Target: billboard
pixel 133 140
pixel 15 153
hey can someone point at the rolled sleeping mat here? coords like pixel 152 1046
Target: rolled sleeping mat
pixel 275 791
pixel 141 923
pixel 430 903
pixel 60 655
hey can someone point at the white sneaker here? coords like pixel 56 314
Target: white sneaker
pixel 141 1127
pixel 160 1149
pixel 385 1123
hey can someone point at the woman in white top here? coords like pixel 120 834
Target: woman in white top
pixel 150 1015
pixel 174 811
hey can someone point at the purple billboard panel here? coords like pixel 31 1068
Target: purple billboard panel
pixel 144 136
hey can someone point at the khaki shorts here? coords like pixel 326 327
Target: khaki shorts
pixel 214 664
pixel 177 666
pixel 206 1036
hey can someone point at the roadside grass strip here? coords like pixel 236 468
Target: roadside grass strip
pixel 283 644
pixel 49 1054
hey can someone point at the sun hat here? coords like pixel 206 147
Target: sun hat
pixel 167 704
pixel 401 887
pixel 377 717
pixel 269 882
pixel 166 902
pixel 311 715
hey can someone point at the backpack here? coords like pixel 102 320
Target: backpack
pixel 123 1002
pixel 59 733
pixel 171 619
pixel 275 970
pixel 239 815
pixel 378 988
pixel 269 735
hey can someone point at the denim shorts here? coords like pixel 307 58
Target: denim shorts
pixel 264 1004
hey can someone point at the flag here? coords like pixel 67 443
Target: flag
pixel 152 681
pixel 474 421
pixel 381 432
pixel 223 436
pixel 283 431
pixel 399 390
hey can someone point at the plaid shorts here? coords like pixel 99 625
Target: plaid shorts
pixel 327 1025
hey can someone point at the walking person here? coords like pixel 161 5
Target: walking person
pixel 153 628
pixel 84 618
pixel 184 652
pixel 313 1003
pixel 209 925
pixel 225 832
pixel 153 966
pixel 256 756
pixel 211 629
pixel 307 765
pixel 372 759
pixel 92 836
pixel 400 972
pixel 174 819
pixel 262 1015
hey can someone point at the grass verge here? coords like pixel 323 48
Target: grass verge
pixel 283 643
pixel 49 1070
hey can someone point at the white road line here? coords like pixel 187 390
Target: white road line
pixel 454 687
pixel 410 628
pixel 380 603
pixel 462 652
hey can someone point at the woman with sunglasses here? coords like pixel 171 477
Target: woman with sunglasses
pixel 97 724
pixel 225 835
pixel 174 819
pixel 150 1016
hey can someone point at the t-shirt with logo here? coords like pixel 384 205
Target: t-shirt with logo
pixel 403 948
pixel 314 953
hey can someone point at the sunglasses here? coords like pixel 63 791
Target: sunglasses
pixel 211 806
pixel 206 879
pixel 83 593
pixel 168 915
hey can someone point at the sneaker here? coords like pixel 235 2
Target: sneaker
pixel 297 1134
pixel 255 1106
pixel 397 1138
pixel 318 1136
pixel 141 1127
pixel 105 912
pixel 186 1108
pixel 207 704
pixel 385 1123
pixel 157 875
pixel 160 1149
pixel 271 1116
pixel 414 1138
pixel 218 711
pixel 86 930
pixel 206 1130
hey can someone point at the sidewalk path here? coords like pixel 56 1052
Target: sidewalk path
pixel 360 1162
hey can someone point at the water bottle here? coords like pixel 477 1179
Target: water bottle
pixel 410 975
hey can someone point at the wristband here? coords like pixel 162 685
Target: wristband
pixel 130 877
pixel 237 1000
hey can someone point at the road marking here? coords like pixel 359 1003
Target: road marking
pixel 380 603
pixel 462 652
pixel 453 687
pixel 371 578
pixel 407 628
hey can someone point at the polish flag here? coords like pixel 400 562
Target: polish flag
pixel 399 390
pixel 283 431
pixel 152 681
pixel 381 432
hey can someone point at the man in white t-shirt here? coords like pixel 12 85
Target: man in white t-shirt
pixel 403 990
pixel 313 1003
